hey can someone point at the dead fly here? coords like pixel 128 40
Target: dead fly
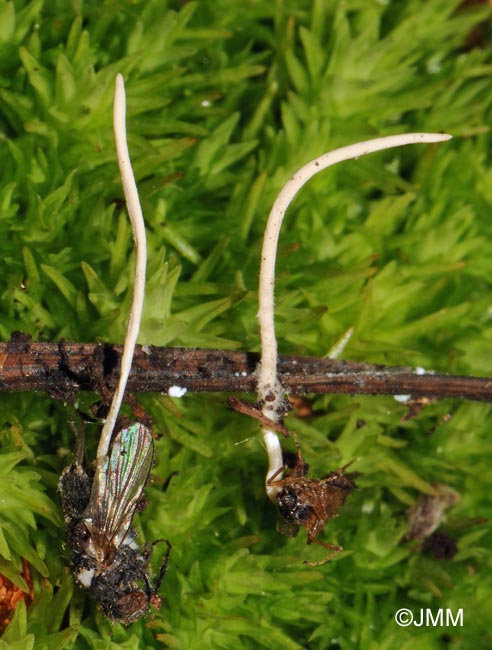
pixel 310 502
pixel 99 510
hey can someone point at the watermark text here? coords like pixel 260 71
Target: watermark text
pixel 429 617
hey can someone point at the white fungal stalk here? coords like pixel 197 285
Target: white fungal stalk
pixel 138 227
pixel 270 390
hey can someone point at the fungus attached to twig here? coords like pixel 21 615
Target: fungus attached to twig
pixel 271 394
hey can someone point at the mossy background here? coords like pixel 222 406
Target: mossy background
pixel 225 100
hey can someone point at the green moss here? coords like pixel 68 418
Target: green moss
pixel 225 101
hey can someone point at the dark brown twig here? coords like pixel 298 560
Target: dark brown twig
pixel 63 369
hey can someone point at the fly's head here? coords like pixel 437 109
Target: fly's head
pixel 131 606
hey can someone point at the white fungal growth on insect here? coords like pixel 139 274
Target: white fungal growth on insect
pixel 86 577
pixel 270 391
pixel 138 228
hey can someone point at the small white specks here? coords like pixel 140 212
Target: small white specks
pixel 176 391
pixel 402 398
pixel 241 442
pixel 244 374
pixel 85 577
pixel 206 103
pixel 146 349
pixel 420 371
pixel 367 507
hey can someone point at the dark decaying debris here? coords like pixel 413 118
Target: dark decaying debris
pixel 428 513
pixel 426 516
pixel 441 545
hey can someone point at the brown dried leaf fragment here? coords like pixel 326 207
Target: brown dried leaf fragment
pixel 11 595
pixel 254 411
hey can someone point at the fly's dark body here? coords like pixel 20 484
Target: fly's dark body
pixel 99 511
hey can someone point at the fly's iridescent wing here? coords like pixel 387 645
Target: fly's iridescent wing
pixel 117 489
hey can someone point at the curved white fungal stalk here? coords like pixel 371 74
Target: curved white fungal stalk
pixel 138 227
pixel 270 391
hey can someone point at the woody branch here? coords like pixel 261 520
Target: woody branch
pixel 63 369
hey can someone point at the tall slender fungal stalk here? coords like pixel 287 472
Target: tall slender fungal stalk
pixel 270 391
pixel 99 510
pixel 138 228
